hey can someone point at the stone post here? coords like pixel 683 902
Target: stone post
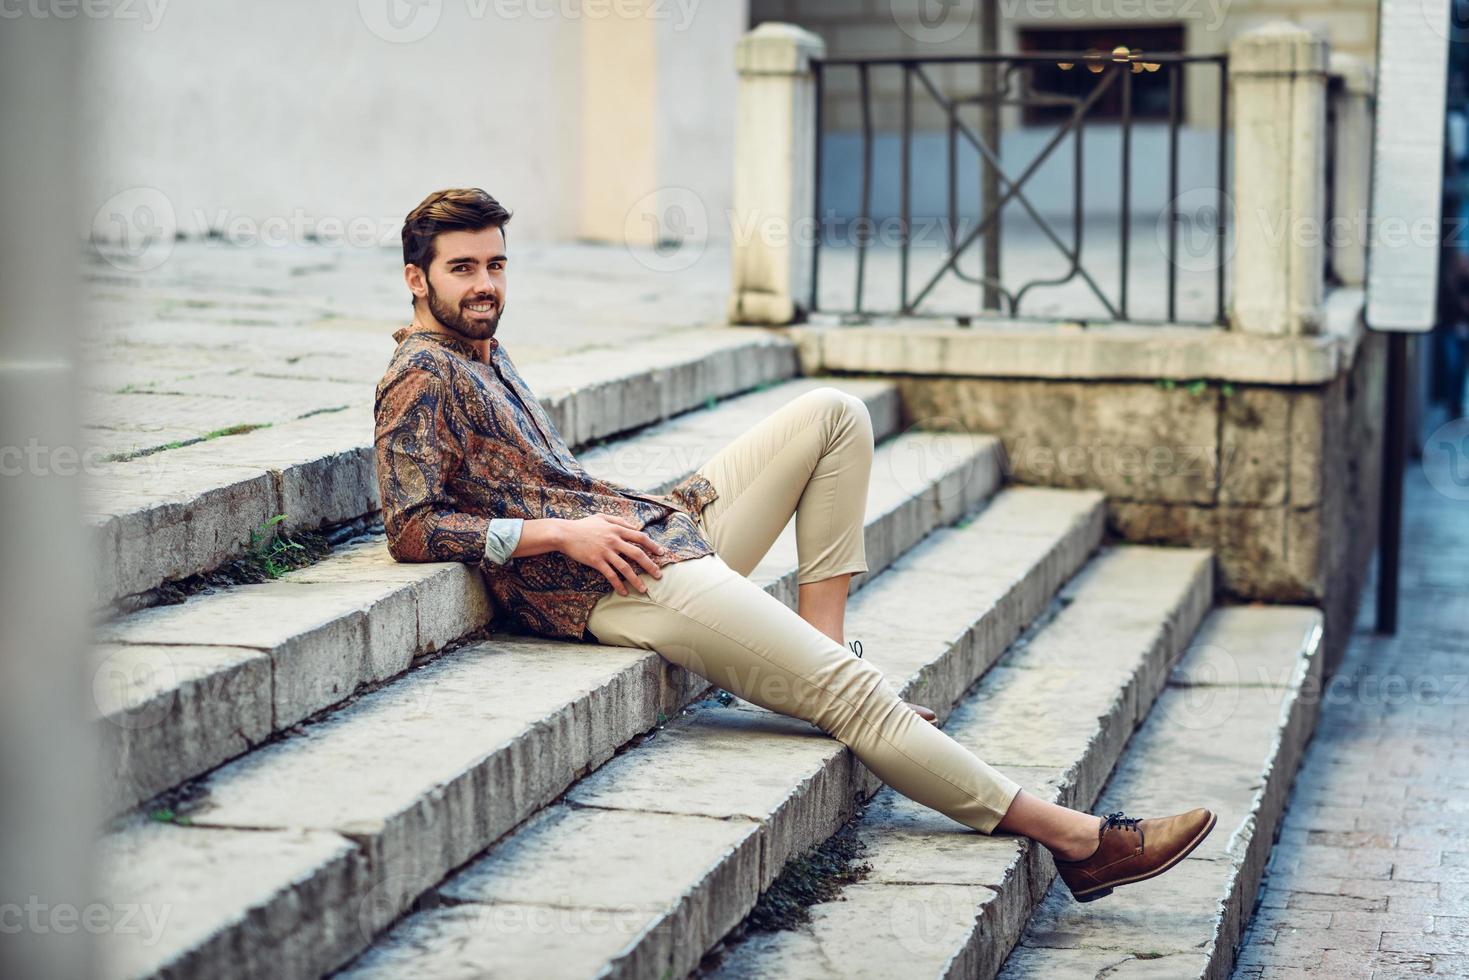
pixel 1351 147
pixel 1277 79
pixel 775 146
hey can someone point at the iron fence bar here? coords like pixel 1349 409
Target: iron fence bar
pixel 906 177
pixel 952 178
pixel 816 78
pixel 1126 209
pixel 1173 99
pixel 862 240
pixel 989 184
pixel 1222 218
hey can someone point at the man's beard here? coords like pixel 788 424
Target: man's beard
pixel 456 319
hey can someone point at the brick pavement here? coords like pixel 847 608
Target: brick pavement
pixel 1370 877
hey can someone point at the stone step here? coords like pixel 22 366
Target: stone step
pixel 1055 714
pixel 183 688
pixel 1229 733
pixel 176 513
pixel 294 856
pixel 640 867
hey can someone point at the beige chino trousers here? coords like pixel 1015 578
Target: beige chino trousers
pixel 811 458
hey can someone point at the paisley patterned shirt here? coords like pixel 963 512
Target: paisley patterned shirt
pixel 460 442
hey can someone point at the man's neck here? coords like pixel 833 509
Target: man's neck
pixel 429 323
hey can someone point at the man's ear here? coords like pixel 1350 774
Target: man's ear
pixel 416 280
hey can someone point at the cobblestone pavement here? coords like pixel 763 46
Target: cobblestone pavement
pixel 1371 874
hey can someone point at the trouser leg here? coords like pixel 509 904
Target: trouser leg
pixel 707 617
pixel 812 458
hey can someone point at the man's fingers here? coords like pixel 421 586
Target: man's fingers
pixel 627 572
pixel 645 543
pixel 611 577
pixel 640 556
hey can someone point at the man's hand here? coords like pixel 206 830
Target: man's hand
pixel 609 543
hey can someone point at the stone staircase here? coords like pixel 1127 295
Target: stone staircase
pixel 340 770
pixel 1227 731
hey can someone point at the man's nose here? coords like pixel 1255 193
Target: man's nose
pixel 484 285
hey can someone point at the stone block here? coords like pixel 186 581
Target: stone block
pixel 1255 446
pixel 168 713
pixel 1132 441
pixel 679 882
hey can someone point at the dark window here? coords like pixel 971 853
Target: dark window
pixel 1149 88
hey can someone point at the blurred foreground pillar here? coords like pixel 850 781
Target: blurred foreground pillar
pixel 46 764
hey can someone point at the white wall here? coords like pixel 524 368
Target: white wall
pixel 299 111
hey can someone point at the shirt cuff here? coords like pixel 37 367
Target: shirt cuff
pixel 501 538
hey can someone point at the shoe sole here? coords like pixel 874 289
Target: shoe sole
pixel 1102 891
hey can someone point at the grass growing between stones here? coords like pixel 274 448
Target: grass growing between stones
pixel 273 551
pixel 816 877
pixel 231 430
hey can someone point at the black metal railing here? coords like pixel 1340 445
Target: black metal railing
pixel 1010 80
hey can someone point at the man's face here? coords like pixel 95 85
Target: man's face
pixel 465 285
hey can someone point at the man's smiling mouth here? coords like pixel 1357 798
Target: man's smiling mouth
pixel 481 307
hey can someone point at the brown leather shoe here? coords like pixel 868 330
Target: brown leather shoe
pixel 1133 849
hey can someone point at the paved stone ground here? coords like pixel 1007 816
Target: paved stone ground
pixel 1371 875
pixel 200 337
pixel 217 335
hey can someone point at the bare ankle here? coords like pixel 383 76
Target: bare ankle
pixel 1082 842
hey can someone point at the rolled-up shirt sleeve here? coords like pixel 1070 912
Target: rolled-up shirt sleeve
pixel 502 537
pixel 417 454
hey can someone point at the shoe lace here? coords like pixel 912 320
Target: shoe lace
pixel 1118 820
pixel 856 646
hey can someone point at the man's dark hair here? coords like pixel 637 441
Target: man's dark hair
pixel 455 209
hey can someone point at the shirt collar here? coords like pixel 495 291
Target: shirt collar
pixel 453 343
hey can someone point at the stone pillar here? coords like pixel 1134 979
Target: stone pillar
pixel 1277 80
pixel 771 226
pixel 1351 148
